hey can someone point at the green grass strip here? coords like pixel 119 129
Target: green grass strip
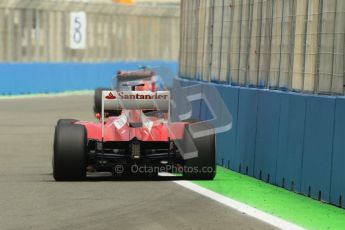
pixel 34 95
pixel 290 206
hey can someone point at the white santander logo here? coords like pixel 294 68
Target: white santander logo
pixel 136 95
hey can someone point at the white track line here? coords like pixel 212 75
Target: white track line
pixel 243 208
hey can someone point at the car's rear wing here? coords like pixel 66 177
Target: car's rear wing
pixel 135 100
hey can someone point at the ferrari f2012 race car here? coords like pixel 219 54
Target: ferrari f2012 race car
pixel 141 136
pixel 142 79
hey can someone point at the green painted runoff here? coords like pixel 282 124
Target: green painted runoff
pixel 290 206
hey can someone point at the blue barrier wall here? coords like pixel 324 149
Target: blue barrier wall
pixel 318 147
pixel 267 130
pixel 338 170
pixel 25 78
pixel 227 157
pixel 292 140
pixel 246 130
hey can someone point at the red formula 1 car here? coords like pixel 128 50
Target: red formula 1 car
pixel 142 79
pixel 139 140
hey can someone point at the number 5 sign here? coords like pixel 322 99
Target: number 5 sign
pixel 78 30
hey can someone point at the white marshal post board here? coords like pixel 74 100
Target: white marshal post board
pixel 78 30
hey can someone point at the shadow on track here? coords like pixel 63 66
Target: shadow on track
pixel 101 177
pixel 132 178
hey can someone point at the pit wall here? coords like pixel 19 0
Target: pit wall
pixel 31 78
pixel 292 140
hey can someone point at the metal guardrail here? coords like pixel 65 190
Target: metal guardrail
pixel 39 30
pixel 297 45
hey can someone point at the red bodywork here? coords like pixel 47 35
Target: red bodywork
pixel 145 78
pixel 160 130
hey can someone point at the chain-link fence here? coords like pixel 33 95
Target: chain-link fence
pixel 39 30
pixel 281 44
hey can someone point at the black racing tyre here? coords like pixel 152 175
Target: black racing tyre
pixel 97 108
pixel 65 121
pixel 202 167
pixel 69 157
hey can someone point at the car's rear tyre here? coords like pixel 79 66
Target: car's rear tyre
pixel 202 167
pixel 65 121
pixel 97 108
pixel 70 144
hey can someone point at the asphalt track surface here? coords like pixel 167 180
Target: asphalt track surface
pixel 31 199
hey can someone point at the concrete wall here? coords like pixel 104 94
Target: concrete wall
pixel 288 139
pixel 272 60
pixel 28 78
pixel 274 44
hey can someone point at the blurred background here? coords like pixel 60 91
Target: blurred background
pixel 46 30
pixel 287 45
pixel 277 44
pixel 49 46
